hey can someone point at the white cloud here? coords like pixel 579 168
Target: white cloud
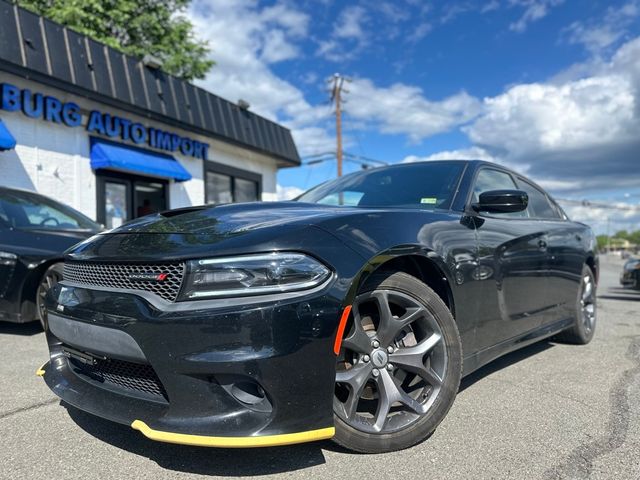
pixel 584 130
pixel 350 23
pixel 534 10
pixel 245 40
pixel 288 193
pixel 348 37
pixel 472 153
pixel 403 109
pixel 625 217
pixel 277 48
pixel 537 118
pixel 604 32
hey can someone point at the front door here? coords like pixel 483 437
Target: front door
pixel 124 197
pixel 513 266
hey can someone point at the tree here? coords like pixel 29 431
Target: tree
pixel 623 234
pixel 603 241
pixel 135 27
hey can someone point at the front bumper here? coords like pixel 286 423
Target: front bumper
pixel 232 376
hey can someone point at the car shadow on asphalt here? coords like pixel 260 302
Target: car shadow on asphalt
pixel 504 362
pixel 620 293
pixel 202 460
pixel 23 329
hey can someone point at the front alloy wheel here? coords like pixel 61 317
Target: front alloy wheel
pixel 399 367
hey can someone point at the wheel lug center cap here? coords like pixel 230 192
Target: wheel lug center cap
pixel 379 358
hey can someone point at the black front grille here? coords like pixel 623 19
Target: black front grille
pixel 119 275
pixel 131 376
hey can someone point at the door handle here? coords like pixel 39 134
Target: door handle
pixel 542 245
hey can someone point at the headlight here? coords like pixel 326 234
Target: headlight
pixel 8 259
pixel 252 275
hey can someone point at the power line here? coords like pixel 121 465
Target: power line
pixel 611 206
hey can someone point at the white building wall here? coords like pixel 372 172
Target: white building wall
pixel 54 159
pixel 50 159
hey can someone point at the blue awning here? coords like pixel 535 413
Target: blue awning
pixel 7 142
pixel 116 156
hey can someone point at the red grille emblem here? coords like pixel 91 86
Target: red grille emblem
pixel 147 277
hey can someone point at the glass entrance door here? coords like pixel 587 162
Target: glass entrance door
pixel 124 197
pixel 115 204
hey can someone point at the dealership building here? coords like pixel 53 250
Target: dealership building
pixel 114 136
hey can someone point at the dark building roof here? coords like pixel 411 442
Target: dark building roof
pixel 37 48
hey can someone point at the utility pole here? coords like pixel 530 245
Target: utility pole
pixel 337 88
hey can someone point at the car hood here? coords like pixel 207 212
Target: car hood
pixel 252 227
pixel 234 218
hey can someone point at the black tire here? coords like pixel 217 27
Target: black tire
pixel 51 276
pixel 433 401
pixel 584 327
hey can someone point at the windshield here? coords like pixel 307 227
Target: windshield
pixel 427 185
pixel 28 210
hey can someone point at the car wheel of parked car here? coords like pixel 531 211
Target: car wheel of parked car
pixel 399 367
pixel 50 278
pixel 584 327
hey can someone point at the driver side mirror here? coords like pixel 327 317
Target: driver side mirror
pixel 501 201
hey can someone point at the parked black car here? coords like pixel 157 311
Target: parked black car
pixel 630 276
pixel 350 313
pixel 34 232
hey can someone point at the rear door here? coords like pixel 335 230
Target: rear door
pixel 512 267
pixel 565 249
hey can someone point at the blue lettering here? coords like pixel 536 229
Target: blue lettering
pixel 163 140
pixel 71 115
pixel 152 137
pixel 175 142
pixel 32 105
pixel 138 133
pixel 205 151
pixel 10 97
pixel 186 147
pixel 197 149
pixel 52 110
pixel 111 125
pixel 126 129
pixel 96 123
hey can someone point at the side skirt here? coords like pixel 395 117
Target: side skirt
pixel 479 359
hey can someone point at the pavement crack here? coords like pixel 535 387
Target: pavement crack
pixel 27 408
pixel 579 464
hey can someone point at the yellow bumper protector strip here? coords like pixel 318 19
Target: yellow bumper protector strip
pixel 40 372
pixel 233 442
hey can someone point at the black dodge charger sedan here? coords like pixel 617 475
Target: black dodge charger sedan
pixel 350 313
pixel 34 232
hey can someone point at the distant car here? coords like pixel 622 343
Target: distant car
pixel 34 231
pixel 631 274
pixel 350 313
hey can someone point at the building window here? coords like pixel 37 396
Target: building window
pixel 226 184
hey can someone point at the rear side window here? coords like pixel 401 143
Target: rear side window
pixel 489 179
pixel 539 205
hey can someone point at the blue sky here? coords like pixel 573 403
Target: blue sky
pixel 548 87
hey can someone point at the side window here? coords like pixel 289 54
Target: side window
pixel 489 179
pixel 539 204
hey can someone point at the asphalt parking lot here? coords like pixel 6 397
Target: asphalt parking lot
pixel 548 411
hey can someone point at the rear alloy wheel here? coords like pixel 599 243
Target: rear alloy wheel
pixel 49 279
pixel 399 366
pixel 584 326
